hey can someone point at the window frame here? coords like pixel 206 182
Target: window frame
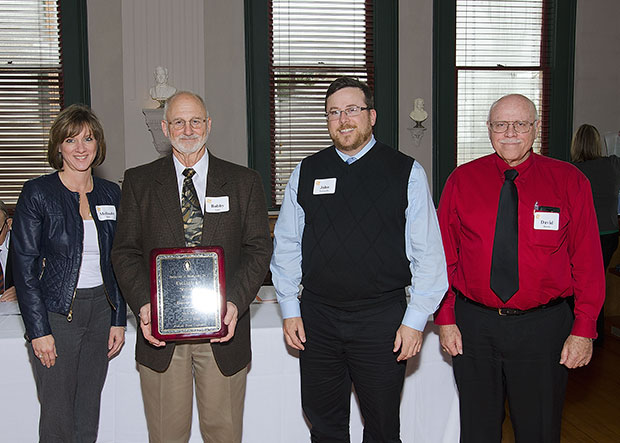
pixel 560 76
pixel 257 26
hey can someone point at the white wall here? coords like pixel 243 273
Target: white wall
pixel 597 65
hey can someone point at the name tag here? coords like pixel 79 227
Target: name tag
pixel 324 186
pixel 106 212
pixel 217 204
pixel 547 218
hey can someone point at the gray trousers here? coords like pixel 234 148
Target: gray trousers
pixel 70 391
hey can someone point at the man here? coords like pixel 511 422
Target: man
pixel 357 225
pixel 232 214
pixel 7 290
pixel 520 236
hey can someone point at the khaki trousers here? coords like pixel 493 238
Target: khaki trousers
pixel 168 399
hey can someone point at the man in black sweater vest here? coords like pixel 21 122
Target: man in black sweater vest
pixel 356 228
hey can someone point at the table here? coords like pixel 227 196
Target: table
pixel 429 408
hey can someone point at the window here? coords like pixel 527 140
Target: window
pixel 486 49
pixel 294 50
pixel 30 89
pixel 312 44
pixel 499 50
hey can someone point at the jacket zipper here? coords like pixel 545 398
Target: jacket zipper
pixel 70 315
pixel 42 269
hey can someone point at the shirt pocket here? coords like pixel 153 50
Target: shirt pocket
pixel 549 238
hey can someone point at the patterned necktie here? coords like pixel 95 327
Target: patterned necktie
pixel 190 209
pixel 505 261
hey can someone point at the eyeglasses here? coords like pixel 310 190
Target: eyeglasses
pixel 195 123
pixel 519 126
pixel 4 225
pixel 351 111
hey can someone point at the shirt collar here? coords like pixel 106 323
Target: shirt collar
pixel 521 168
pixel 201 167
pixel 360 154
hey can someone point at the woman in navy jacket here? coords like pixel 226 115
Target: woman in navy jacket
pixel 72 309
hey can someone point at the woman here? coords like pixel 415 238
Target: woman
pixel 604 176
pixel 74 314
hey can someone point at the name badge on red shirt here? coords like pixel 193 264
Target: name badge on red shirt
pixel 546 218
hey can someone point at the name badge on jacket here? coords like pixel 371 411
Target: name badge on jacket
pixel 217 204
pixel 324 186
pixel 546 218
pixel 106 212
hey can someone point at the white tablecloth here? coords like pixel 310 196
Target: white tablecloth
pixel 429 408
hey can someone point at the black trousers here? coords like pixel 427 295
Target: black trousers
pixel 609 244
pixel 344 348
pixel 513 357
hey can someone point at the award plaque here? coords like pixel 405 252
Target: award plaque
pixel 188 293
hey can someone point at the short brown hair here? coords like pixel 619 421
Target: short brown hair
pixel 70 123
pixel 350 82
pixel 586 144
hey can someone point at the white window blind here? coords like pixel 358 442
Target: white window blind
pixel 30 89
pixel 312 44
pixel 500 49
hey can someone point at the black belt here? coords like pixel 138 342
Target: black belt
pixel 510 311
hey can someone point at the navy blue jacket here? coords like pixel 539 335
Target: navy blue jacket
pixel 47 240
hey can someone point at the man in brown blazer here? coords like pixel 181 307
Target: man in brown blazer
pixel 150 216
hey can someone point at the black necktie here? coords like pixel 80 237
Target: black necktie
pixel 190 209
pixel 505 260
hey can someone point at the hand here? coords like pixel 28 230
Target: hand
pixel 45 350
pixel 145 326
pixel 116 340
pixel 9 295
pixel 409 341
pixel 230 320
pixel 451 340
pixel 294 332
pixel 576 352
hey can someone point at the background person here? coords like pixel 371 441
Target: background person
pixel 70 303
pixel 604 175
pixel 7 290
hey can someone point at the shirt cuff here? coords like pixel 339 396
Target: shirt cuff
pixel 415 319
pixel 584 328
pixel 290 308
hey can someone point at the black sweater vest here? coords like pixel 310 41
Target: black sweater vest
pixel 353 244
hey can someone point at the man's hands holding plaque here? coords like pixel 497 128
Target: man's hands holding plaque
pixel 145 326
pixel 230 320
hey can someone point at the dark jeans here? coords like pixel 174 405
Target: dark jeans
pixel 514 357
pixel 344 348
pixel 70 391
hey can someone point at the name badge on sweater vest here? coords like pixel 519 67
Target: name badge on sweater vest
pixel 106 212
pixel 217 204
pixel 324 186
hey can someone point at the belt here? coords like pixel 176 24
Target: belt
pixel 510 311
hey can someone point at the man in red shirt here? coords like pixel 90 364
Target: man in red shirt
pixel 520 236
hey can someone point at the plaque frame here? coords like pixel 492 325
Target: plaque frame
pixel 164 305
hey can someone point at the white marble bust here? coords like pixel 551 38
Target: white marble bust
pixel 418 114
pixel 162 90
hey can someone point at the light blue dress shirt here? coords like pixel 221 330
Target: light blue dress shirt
pixel 423 247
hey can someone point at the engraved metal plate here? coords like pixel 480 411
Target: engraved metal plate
pixel 188 298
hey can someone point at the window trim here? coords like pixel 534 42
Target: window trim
pixel 561 75
pixel 257 77
pixel 74 43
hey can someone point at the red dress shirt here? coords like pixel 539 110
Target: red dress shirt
pixel 552 263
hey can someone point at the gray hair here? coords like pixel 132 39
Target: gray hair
pixel 532 105
pixel 176 95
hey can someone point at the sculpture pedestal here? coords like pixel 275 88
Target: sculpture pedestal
pixel 153 119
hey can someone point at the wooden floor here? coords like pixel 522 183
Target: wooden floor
pixel 592 407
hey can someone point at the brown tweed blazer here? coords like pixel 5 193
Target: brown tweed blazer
pixel 150 217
